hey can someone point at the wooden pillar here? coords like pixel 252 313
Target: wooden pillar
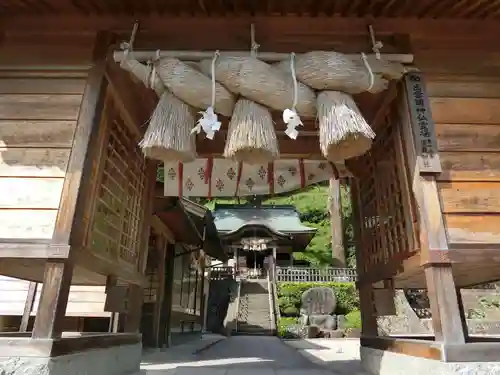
pixel 206 292
pixel 69 223
pixel 463 315
pixel 424 164
pixel 114 322
pixel 201 321
pixel 166 308
pixel 49 319
pixel 335 209
pixel 133 319
pixel 160 293
pixel 368 316
pixel 445 309
pixel 369 324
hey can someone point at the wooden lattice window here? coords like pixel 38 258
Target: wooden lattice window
pixel 384 199
pixel 115 229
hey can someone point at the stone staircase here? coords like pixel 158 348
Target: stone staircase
pixel 254 317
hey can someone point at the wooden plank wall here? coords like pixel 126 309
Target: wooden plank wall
pixel 41 87
pixel 464 87
pixel 83 300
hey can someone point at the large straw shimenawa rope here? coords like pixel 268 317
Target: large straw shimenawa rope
pixel 168 137
pixel 144 74
pixel 336 71
pixel 343 132
pixel 256 80
pixel 193 87
pixel 251 137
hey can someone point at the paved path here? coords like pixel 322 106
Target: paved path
pixel 240 355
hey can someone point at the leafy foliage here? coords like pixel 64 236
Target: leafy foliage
pixel 312 204
pixel 353 319
pixel 284 327
pixel 289 297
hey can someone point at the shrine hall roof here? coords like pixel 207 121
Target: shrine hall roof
pixel 281 220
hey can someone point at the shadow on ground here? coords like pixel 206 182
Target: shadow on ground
pixel 242 355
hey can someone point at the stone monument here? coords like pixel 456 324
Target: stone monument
pixel 316 311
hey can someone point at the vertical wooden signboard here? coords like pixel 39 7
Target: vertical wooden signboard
pixel 424 132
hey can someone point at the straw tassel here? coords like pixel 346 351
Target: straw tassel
pixel 343 132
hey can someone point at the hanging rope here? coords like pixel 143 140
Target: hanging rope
pixel 152 66
pixel 376 44
pixel 209 122
pixel 294 77
pixel 254 46
pixel 290 116
pixel 370 71
pixel 214 60
pixel 128 46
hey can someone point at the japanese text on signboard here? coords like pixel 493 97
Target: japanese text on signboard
pixel 422 123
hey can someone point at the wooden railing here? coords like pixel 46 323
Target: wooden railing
pixel 306 274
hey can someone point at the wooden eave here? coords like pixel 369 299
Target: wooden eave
pixel 190 224
pixel 458 9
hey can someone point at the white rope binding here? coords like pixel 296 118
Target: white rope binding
pixel 370 71
pixel 290 116
pixel 209 121
pixel 152 67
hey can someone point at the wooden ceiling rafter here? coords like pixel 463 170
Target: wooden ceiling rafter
pixel 461 9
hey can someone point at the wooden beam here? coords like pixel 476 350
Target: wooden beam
pixel 305 147
pixel 33 250
pixel 28 306
pixel 337 232
pixel 239 25
pixel 270 57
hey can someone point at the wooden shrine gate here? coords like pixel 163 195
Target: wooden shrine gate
pixel 426 200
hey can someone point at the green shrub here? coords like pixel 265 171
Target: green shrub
pixel 284 325
pixel 353 319
pixel 289 295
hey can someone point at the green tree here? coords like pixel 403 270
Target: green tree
pixel 312 204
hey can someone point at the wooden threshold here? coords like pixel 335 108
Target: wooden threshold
pixel 17 344
pixel 476 349
pixel 412 347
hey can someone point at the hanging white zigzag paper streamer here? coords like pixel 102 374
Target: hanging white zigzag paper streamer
pixel 290 116
pixel 209 121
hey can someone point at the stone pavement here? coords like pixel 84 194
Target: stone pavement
pixel 340 356
pixel 251 355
